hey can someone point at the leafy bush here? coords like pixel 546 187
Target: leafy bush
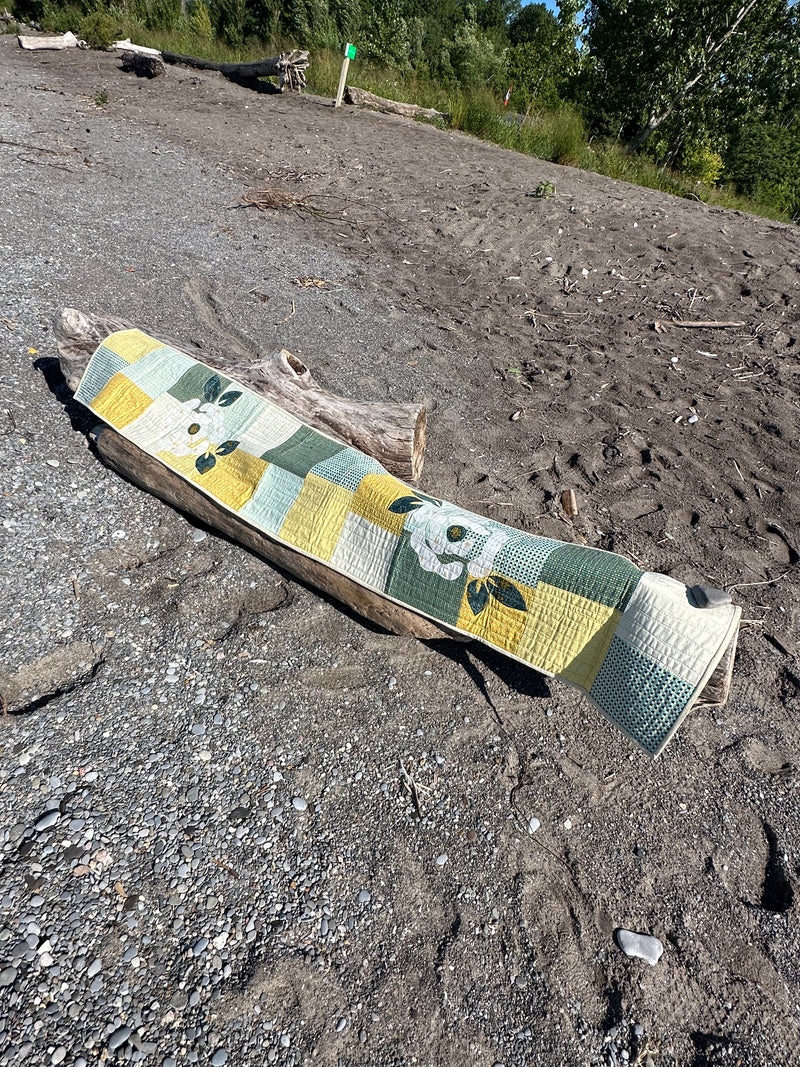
pixel 764 163
pixel 702 163
pixel 201 21
pixel 98 30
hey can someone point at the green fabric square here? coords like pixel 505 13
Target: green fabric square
pixel 591 573
pixel 410 584
pixel 192 383
pixel 304 450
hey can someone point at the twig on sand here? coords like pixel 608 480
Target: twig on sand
pixel 661 325
pixel 747 585
pixel 277 199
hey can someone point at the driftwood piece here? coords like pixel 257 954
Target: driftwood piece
pixel 289 67
pixel 151 475
pixel 362 98
pixel 57 44
pixel 143 62
pixel 394 434
pixel 662 325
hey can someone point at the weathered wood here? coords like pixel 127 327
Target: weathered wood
pixel 149 474
pixel 362 98
pixel 289 67
pixel 141 64
pixel 394 434
pixel 58 43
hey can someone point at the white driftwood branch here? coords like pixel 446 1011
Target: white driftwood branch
pixel 62 41
pixel 362 98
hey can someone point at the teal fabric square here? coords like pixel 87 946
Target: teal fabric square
pixel 269 505
pixel 102 368
pixel 640 697
pixel 155 372
pixel 410 584
pixel 305 449
pixel 591 573
pixel 522 558
pixel 347 468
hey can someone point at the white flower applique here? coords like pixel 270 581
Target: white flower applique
pixel 200 426
pixel 439 529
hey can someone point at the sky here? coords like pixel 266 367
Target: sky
pixel 548 3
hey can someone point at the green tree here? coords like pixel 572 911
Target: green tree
pixel 678 63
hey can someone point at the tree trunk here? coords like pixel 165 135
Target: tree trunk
pixel 290 67
pixel 394 434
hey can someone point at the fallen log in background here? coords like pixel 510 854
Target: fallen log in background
pixel 363 98
pixel 289 67
pixel 394 434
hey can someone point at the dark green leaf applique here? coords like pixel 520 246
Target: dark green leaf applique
pixel 506 592
pixel 226 448
pixel 405 504
pixel 212 388
pixel 477 596
pixel 205 463
pixel 227 399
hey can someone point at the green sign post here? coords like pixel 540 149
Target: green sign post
pixel 349 53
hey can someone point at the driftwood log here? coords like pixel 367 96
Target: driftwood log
pixel 362 98
pixel 288 67
pixel 77 336
pixel 394 434
pixel 57 44
pixel 143 62
pixel 141 469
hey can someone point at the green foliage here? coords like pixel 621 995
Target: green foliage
pixel 764 163
pixel 473 58
pixel 201 20
pixel 101 98
pixel 702 163
pixel 98 30
pixel 544 191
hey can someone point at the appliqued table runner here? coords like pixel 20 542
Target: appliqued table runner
pixel 633 641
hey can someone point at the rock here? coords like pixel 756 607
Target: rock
pixel 299 803
pixel 219 1058
pixel 441 859
pixel 533 824
pixel 7 976
pixel 364 897
pixel 50 818
pixel 640 946
pixel 118 1038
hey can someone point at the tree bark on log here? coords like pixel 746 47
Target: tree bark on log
pixel 151 475
pixel 362 98
pixel 143 66
pixel 394 434
pixel 289 67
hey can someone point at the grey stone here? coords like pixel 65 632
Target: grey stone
pixel 219 1058
pixel 640 946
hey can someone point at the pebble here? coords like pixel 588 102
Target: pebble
pixel 7 976
pixel 299 803
pixel 118 1038
pixel 441 859
pixel 219 1058
pixel 364 897
pixel 533 824
pixel 567 824
pixel 693 418
pixel 59 1055
pixel 640 946
pixel 342 1023
pixel 50 818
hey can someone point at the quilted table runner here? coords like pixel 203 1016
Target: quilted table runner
pixel 637 643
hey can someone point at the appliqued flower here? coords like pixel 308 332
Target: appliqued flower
pixel 200 426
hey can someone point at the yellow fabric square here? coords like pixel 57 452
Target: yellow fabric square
pixel 496 623
pixel 372 499
pixel 119 402
pixel 131 345
pixel 566 634
pixel 316 518
pixel 232 480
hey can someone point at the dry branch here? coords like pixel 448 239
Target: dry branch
pixel 660 326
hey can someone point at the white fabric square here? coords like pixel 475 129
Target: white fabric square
pixel 364 552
